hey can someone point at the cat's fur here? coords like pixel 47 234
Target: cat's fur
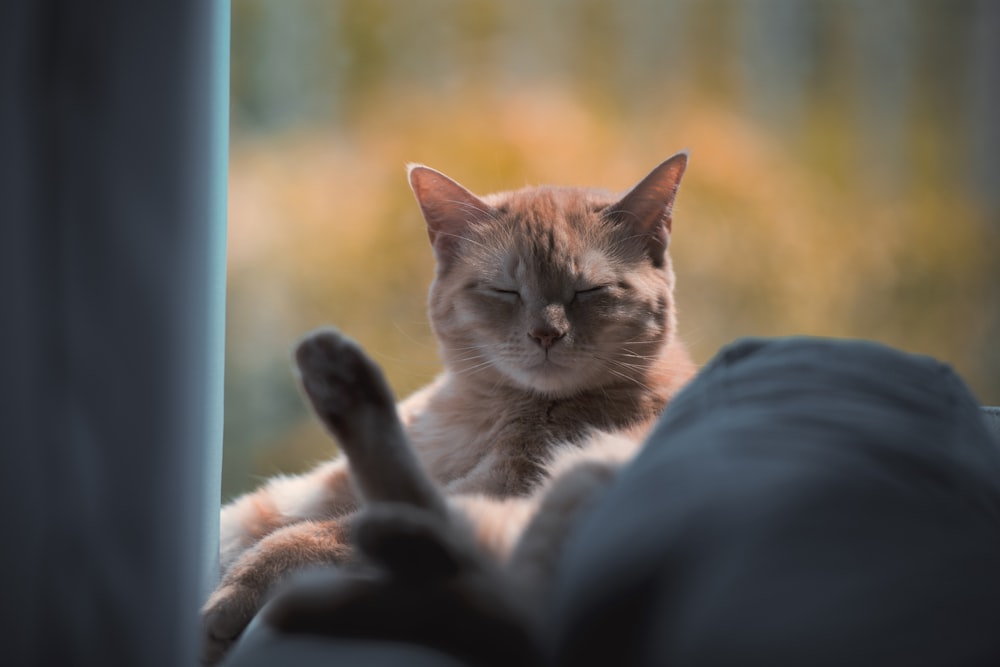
pixel 555 316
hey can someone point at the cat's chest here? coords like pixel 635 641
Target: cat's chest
pixel 453 439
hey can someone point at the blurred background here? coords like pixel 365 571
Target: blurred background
pixel 843 181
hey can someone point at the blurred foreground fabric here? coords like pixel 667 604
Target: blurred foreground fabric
pixel 803 501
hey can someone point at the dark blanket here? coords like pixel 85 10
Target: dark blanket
pixel 803 502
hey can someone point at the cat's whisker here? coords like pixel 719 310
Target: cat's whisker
pixel 636 355
pixel 484 358
pixel 622 364
pixel 629 378
pixel 630 366
pixel 414 339
pixel 473 369
pixel 479 361
pixel 475 355
pixel 622 369
pixel 637 361
pixel 463 348
pixel 662 364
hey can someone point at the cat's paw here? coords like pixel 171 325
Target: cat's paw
pixel 224 617
pixel 341 381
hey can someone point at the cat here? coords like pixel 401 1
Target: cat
pixel 429 581
pixel 554 312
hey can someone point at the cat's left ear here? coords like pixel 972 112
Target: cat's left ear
pixel 648 206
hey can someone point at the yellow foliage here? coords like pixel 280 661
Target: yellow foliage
pixel 767 240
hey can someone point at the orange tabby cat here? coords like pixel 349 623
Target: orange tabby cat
pixel 554 311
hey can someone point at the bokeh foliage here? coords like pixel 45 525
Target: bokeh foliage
pixel 841 183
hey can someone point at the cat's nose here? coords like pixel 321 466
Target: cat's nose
pixel 546 337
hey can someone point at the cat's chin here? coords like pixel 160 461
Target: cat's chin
pixel 549 379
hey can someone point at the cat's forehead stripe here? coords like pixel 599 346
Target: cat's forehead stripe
pixel 520 271
pixel 550 233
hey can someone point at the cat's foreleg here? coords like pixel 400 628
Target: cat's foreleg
pixel 325 492
pixel 247 583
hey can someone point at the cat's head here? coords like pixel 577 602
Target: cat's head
pixel 551 289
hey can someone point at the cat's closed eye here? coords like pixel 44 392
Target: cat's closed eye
pixel 589 292
pixel 505 292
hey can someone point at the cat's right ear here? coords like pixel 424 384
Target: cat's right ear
pixel 448 208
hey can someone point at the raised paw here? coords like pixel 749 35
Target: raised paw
pixel 341 382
